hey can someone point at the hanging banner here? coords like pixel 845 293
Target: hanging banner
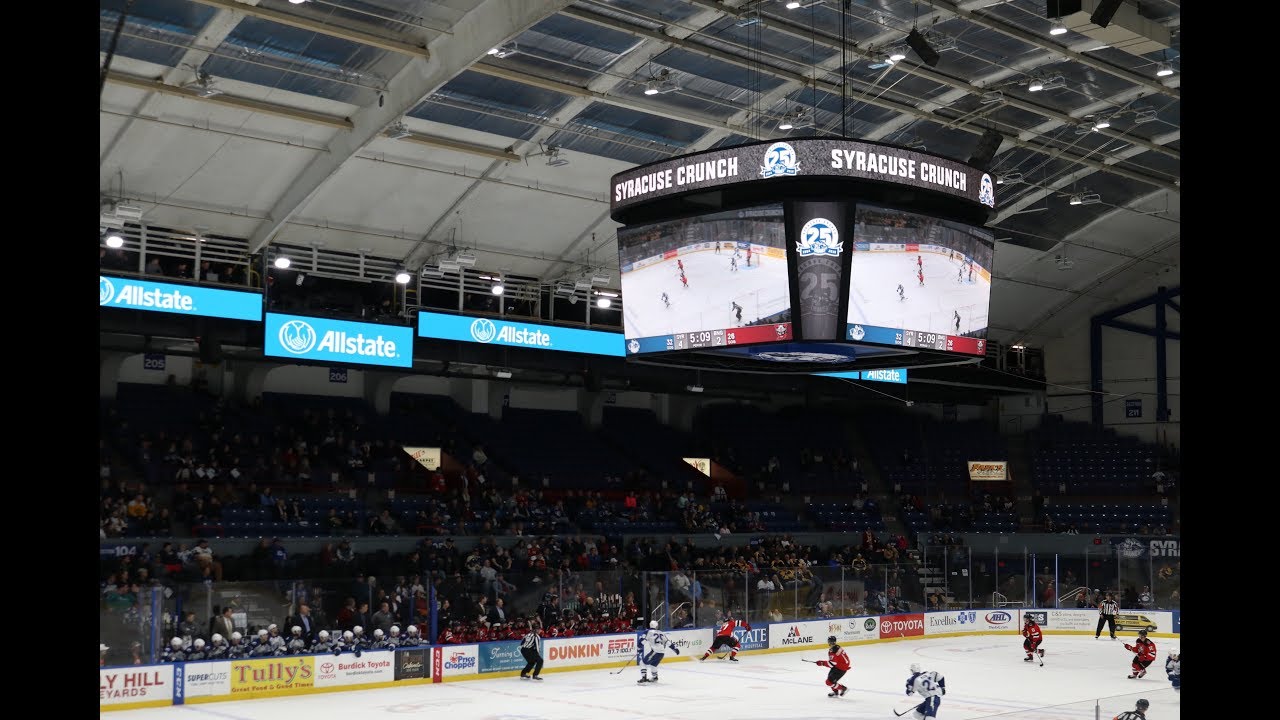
pixel 987 470
pixel 427 457
pixel 702 465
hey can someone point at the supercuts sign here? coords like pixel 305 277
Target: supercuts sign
pixel 812 157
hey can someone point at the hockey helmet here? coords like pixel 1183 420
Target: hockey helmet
pixel 915 668
pixel 262 633
pixel 395 631
pixel 176 643
pixel 358 630
pixel 377 633
pixel 235 636
pixel 348 636
pixel 1143 704
pixel 199 643
pixel 324 634
pixel 1173 652
pixel 297 629
pixel 653 624
pixel 831 639
pixel 1027 619
pixel 216 638
pixel 1142 633
pixel 413 629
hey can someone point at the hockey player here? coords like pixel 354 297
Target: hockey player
pixel 237 649
pixel 957 316
pixel 901 293
pixel 684 280
pixel 970 272
pixel 261 645
pixel 297 644
pixel 1031 631
pixel 680 264
pixel 1145 651
pixel 174 653
pixel 217 647
pixel 920 277
pixel 738 314
pixel 666 300
pixel 394 638
pixel 919 262
pixel 960 274
pixel 717 248
pixel 748 257
pixel 197 651
pixel 838 661
pixel 733 263
pixel 322 643
pixel 379 640
pixel 931 687
pixel 724 636
pixel 651 647
pixel 1139 711
pixel 413 639
pixel 1173 667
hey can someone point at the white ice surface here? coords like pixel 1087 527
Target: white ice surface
pixel 986 678
pixel 761 290
pixel 873 298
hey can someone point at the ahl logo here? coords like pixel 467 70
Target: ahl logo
pixel 999 617
pixel 968 617
pixel 633 346
pixel 987 191
pixel 819 237
pixel 106 290
pixel 779 159
pixel 297 337
pixel 857 333
pixel 483 330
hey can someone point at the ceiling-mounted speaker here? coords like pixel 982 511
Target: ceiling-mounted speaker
pixel 985 152
pixel 927 54
pixel 1104 12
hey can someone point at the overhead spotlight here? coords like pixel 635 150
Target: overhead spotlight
pixel 897 54
pixel 497 288
pixel 465 259
pixel 1036 85
pixel 203 85
pixel 650 87
pixel 1090 199
pixel 450 266
pixel 1144 116
pixel 603 302
pixel 432 272
pixel 582 283
pixel 1010 177
pixel 494 51
pixel 564 289
pixel 403 277
pixel 992 96
pixel 1102 123
pixel 793 5
pixel 1058 30
pixel 1164 69
pixel 1076 200
pixel 397 130
pixel 660 83
pixel 296 2
pixel 282 262
pixel 693 388
pixel 798 118
pixel 573 299
pixel 503 51
pixel 114 240
pixel 927 54
pixel 502 374
pixel 785 125
pixel 554 158
pixel 600 280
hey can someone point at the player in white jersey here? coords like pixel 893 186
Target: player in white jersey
pixel 931 686
pixel 666 300
pixel 651 646
pixel 1173 668
pixel 901 292
pixel 733 263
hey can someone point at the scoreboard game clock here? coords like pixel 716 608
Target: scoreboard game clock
pixel 780 256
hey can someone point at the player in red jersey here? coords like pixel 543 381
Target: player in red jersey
pixel 920 277
pixel 1145 654
pixel 838 661
pixel 919 262
pixel 724 636
pixel 680 264
pixel 1031 631
pixel 748 256
pixel 684 280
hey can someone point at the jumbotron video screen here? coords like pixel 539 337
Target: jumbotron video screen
pixel 918 281
pixel 713 280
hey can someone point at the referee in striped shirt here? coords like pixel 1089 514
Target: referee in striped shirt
pixel 529 648
pixel 1107 610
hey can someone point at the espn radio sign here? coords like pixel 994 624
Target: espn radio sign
pixel 988 470
pixel 907 625
pixel 621 646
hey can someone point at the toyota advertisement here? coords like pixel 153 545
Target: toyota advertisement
pixel 324 340
pixel 899 626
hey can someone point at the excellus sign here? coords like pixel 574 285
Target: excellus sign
pixel 813 157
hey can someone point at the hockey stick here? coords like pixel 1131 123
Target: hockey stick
pixel 904 712
pixel 815 662
pixel 624 667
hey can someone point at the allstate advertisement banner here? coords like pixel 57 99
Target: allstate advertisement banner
pixel 501 657
pixel 202 679
pixel 373 666
pixel 273 676
pixel 325 340
pixel 137 294
pixel 413 664
pixel 889 375
pixel 137 684
pixel 513 333
pixel 753 639
pixel 904 625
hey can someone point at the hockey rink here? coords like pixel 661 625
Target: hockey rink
pixel 985 676
pixel 873 297
pixel 706 304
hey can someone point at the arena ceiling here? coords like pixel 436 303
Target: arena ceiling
pixel 271 122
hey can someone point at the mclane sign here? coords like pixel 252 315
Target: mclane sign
pixel 988 470
pixel 321 339
pixel 814 157
pixel 497 331
pixel 117 292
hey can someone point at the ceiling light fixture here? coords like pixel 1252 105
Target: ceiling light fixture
pixel 432 272
pixel 497 288
pixel 1058 30
pixel 693 388
pixel 1164 69
pixel 660 83
pixel 403 277
pixel 1102 123
pixel 1010 177
pixel 114 240
pixel 450 266
pixel 993 96
pixel 282 262
pixel 1036 85
pixel 203 85
pixel 398 130
pixel 897 54
pixel 464 258
pixel 603 302
pixel 1144 116
pixel 1075 200
pixel 793 5
pixel 296 2
pixel 502 374
pixel 503 51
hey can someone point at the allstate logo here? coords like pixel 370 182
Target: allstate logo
pixel 106 290
pixel 297 337
pixel 779 159
pixel 987 191
pixel 483 330
pixel 633 346
pixel 856 332
pixel 819 237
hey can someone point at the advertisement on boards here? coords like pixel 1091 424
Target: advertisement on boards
pixel 904 625
pixel 371 667
pixel 274 676
pixel 955 621
pixel 594 650
pixel 460 660
pixel 501 657
pixel 137 684
pixel 753 639
pixel 204 679
pixel 694 642
pixel 413 664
